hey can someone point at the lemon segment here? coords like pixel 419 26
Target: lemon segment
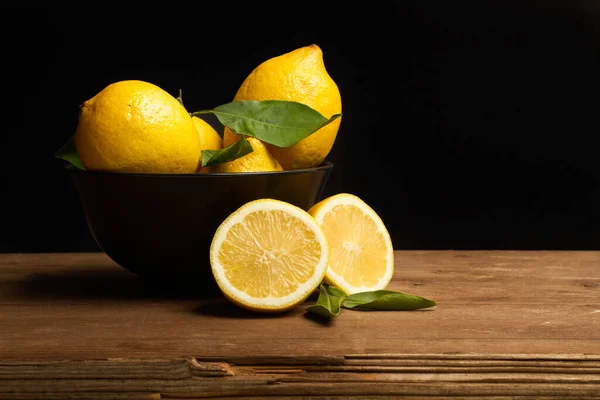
pixel 269 255
pixel 361 252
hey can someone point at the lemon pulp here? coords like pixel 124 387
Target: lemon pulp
pixel 269 255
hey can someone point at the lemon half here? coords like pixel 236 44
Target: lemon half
pixel 269 255
pixel 361 252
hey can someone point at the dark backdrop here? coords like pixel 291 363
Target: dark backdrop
pixel 467 125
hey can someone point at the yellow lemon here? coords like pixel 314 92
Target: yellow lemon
pixel 135 126
pixel 361 253
pixel 299 75
pixel 268 255
pixel 260 160
pixel 209 140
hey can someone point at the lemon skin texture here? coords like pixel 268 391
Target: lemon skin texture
pixel 136 127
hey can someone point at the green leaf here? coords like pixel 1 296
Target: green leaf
pixel 386 300
pixel 334 291
pixel 278 122
pixel 329 303
pixel 68 152
pixel 229 153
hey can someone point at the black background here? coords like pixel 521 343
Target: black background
pixel 467 125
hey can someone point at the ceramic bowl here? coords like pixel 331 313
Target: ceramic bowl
pixel 160 226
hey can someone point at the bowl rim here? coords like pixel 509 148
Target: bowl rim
pixel 325 165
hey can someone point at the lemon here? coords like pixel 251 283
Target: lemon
pixel 268 255
pixel 209 140
pixel 361 252
pixel 136 126
pixel 299 75
pixel 260 160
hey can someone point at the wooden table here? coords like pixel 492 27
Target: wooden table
pixel 508 325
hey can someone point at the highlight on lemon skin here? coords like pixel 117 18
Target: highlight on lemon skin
pixel 361 251
pixel 269 256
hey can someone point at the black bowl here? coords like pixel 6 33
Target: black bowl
pixel 160 226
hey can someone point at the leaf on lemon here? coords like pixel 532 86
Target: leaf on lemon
pixel 386 300
pixel 278 122
pixel 68 152
pixel 329 302
pixel 229 153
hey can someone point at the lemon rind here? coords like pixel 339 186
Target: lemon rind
pixel 271 302
pixel 335 279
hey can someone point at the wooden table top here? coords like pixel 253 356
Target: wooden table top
pixel 507 324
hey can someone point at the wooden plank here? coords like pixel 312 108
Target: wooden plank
pixel 507 325
pixel 281 377
pixel 113 369
pixel 408 397
pixel 81 396
pixel 324 387
pixel 83 306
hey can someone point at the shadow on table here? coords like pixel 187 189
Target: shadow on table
pixel 100 283
pixel 221 307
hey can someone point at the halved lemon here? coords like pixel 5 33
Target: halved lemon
pixel 361 252
pixel 269 255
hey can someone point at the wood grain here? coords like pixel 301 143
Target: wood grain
pixel 508 324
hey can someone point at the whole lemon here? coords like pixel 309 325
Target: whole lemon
pixel 260 160
pixel 299 75
pixel 209 140
pixel 136 126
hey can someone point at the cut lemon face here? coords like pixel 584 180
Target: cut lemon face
pixel 361 252
pixel 269 255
